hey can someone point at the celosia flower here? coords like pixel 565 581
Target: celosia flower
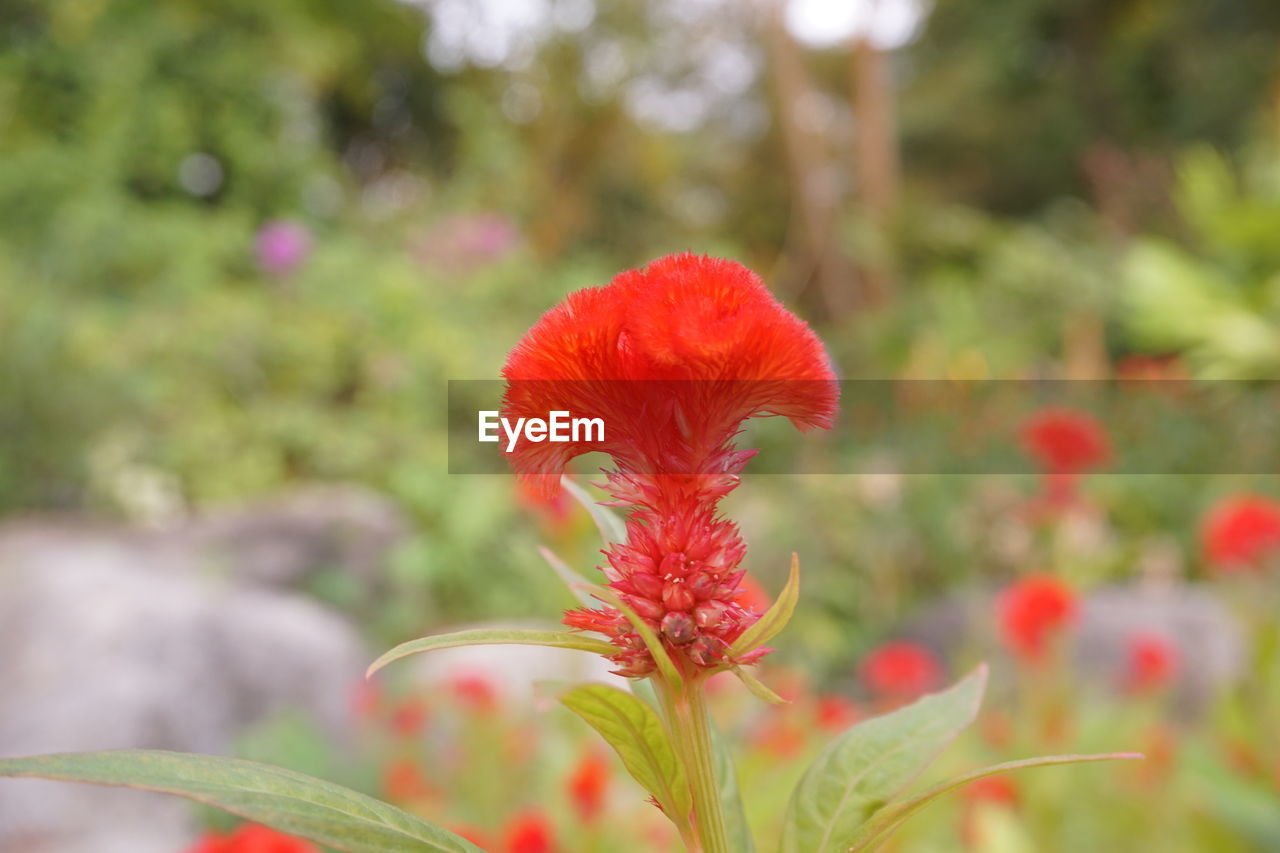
pixel 992 789
pixel 283 246
pixel 252 838
pixel 1241 532
pixel 672 357
pixel 529 833
pixel 836 713
pixel 476 692
pixel 998 791
pixel 409 717
pixel 588 785
pixel 404 782
pixel 1152 663
pixel 1031 612
pixel 901 671
pixel 1065 441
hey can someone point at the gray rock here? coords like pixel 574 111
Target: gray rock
pixel 116 638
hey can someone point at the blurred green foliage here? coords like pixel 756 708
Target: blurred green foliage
pixel 153 365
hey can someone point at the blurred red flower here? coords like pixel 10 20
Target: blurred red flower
pixel 1031 611
pixel 475 691
pixel 1240 531
pixel 901 671
pixel 836 713
pixel 252 838
pixel 529 832
pixel 752 595
pixel 588 785
pixel 1153 662
pixel 672 357
pixel 409 716
pixel 1065 441
pixel 992 789
pixel 403 781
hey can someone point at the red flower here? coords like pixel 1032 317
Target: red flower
pixel 403 781
pixel 529 833
pixel 252 838
pixel 1065 442
pixel 672 357
pixel 1241 531
pixel 476 692
pixel 409 717
pixel 992 789
pixel 588 786
pixel 901 671
pixel 1031 612
pixel 836 713
pixel 1153 662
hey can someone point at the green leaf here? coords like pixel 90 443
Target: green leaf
pixel 869 764
pixel 774 619
pixel 291 802
pixel 492 637
pixel 735 816
pixel 886 821
pixel 757 687
pixel 612 528
pixel 666 666
pixel 636 733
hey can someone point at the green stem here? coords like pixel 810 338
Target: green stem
pixel 690 725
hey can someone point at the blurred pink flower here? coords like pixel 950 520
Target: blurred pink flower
pixel 467 241
pixel 282 246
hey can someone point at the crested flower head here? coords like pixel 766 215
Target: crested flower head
pixel 1241 531
pixel 672 357
pixel 1032 612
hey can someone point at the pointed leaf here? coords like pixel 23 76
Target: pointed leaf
pixel 774 619
pixel 291 802
pixel 636 733
pixel 868 765
pixel 492 637
pixel 612 528
pixel 757 687
pixel 886 821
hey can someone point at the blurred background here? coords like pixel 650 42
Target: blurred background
pixel 244 245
